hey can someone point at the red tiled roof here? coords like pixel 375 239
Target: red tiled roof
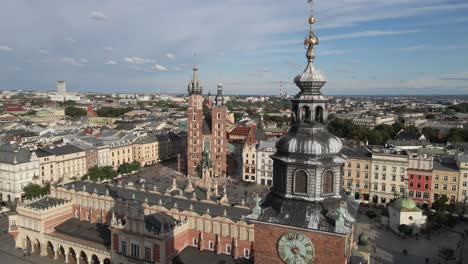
pixel 240 131
pixel 17 108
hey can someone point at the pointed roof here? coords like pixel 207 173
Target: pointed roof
pixel 195 86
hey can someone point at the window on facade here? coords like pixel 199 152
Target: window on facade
pixel 393 177
pixel 376 167
pixel 327 182
pixel 194 242
pixel 419 177
pixel 418 185
pixel 393 169
pixel 454 179
pixel 411 193
pixel 246 253
pixel 366 185
pixel 135 250
pixel 393 188
pixel 358 165
pixel 123 247
pixel 454 187
pixel 147 253
pixel 376 187
pixel 211 245
pixel 411 185
pixel 384 176
pixel 357 184
pixel 426 195
pixel 418 194
pixel 228 249
pixel 383 188
pixel 358 174
pixel 427 178
pixel 366 166
pixel 464 184
pixel 376 176
pixel 300 181
pixel 349 173
pixel 444 187
pixel 349 164
pixel 426 186
pixel 445 178
pixel 366 175
pixel 436 186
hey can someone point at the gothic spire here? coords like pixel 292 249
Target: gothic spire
pixel 195 86
pixel 219 99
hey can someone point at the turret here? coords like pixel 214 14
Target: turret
pixel 195 86
pixel 219 99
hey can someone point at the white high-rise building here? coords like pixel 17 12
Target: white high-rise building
pixel 61 88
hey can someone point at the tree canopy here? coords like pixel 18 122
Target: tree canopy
pixel 74 111
pixel 33 190
pixel 129 167
pixel 100 173
pixel 113 112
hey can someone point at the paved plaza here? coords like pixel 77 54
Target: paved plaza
pixel 389 246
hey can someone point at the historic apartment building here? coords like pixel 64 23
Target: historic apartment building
pixel 357 172
pixel 120 152
pixel 146 150
pixel 388 175
pixel 265 149
pixel 61 163
pixel 419 174
pixel 462 163
pixel 18 168
pixel 445 177
pixel 205 131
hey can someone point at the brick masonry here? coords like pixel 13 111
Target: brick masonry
pixel 329 248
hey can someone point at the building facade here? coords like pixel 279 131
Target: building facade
pixel 445 178
pixel 388 175
pixel 357 172
pixel 146 150
pixel 62 163
pixel 264 162
pixel 18 168
pixel 419 174
pixel 205 131
pixel 462 163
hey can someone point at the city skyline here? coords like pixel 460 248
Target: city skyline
pixel 366 47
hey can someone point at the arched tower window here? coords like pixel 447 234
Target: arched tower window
pixel 305 114
pixel 327 182
pixel 319 114
pixel 300 181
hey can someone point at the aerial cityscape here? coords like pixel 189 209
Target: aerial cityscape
pixel 234 132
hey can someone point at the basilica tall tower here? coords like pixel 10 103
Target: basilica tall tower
pixel 306 218
pixel 206 132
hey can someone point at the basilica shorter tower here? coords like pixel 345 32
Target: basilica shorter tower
pixel 306 218
pixel 206 132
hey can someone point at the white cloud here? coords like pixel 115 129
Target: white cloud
pixel 111 62
pixel 98 16
pixel 108 48
pixel 5 48
pixel 68 39
pixel 137 60
pixel 43 52
pixel 368 33
pixel 158 67
pixel 425 47
pixel 170 56
pixel 71 61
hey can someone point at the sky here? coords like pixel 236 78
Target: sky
pixel 367 47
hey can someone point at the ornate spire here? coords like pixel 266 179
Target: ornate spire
pixel 194 86
pixel 311 80
pixel 219 99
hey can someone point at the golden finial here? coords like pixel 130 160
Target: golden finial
pixel 311 20
pixel 311 41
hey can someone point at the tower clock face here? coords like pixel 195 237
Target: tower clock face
pixel 295 248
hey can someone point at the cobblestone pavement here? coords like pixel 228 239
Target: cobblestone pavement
pixel 389 246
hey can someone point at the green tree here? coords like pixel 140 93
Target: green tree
pixel 100 173
pixel 405 230
pixel 33 190
pixel 113 112
pixel 73 111
pixel 446 253
pixel 129 167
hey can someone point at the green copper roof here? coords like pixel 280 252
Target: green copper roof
pixel 405 204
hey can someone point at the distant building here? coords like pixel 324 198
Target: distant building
pixel 18 168
pixel 357 172
pixel 371 122
pixel 445 177
pixel 61 88
pixel 403 211
pixel 205 132
pixel 462 163
pixel 264 162
pixel 61 163
pixel 249 152
pixel 419 175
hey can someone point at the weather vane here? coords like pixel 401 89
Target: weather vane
pixel 311 2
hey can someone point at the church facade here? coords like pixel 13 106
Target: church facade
pixel 205 131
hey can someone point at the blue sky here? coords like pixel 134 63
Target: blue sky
pixel 366 46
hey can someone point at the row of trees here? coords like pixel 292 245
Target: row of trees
pixel 108 173
pixel 381 133
pixel 74 111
